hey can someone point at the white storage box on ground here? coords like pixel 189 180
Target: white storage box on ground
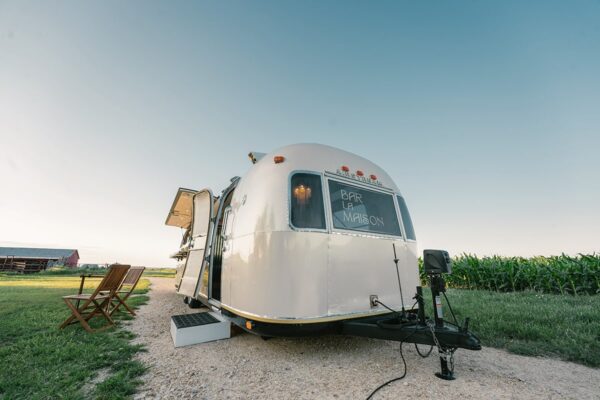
pixel 201 327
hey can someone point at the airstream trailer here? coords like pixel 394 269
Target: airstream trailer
pixel 311 237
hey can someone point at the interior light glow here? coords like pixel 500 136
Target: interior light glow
pixel 302 194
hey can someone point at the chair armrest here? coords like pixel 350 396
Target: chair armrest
pixel 83 276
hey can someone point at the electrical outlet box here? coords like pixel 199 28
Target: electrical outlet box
pixel 373 299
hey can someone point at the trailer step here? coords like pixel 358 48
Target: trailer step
pixel 188 329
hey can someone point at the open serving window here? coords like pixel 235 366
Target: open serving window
pixel 181 210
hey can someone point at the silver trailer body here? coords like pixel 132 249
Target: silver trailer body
pixel 305 236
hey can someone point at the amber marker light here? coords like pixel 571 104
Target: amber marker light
pixel 249 325
pixel 278 159
pixel 359 173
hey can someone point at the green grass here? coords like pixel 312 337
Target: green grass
pixel 63 271
pixel 160 272
pixel 531 323
pixel 39 361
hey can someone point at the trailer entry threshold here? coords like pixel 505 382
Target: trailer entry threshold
pixel 188 329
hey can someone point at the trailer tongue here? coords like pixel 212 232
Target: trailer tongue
pixel 410 327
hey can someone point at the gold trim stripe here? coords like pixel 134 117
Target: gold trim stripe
pixel 255 317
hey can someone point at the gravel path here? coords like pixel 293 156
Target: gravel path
pixel 333 367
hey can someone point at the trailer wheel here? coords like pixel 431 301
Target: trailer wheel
pixel 193 303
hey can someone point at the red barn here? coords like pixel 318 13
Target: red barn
pixel 24 259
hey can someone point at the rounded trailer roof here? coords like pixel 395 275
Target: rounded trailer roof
pixel 261 197
pixel 322 158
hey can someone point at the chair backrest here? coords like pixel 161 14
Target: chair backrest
pixel 113 278
pixel 133 276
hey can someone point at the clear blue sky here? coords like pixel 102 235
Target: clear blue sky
pixel 487 114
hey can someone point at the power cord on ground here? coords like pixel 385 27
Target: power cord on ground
pixel 391 380
pixel 447 354
pixel 401 355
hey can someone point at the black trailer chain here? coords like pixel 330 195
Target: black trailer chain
pixel 430 325
pixel 447 355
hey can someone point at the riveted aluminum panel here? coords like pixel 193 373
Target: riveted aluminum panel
pixel 363 266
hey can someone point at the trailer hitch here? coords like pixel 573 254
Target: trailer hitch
pixel 391 327
pixel 413 327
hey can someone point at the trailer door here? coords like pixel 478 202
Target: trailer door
pixel 202 226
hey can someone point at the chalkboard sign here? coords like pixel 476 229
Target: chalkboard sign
pixel 363 210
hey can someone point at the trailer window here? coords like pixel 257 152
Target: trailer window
pixel 307 209
pixel 408 225
pixel 364 210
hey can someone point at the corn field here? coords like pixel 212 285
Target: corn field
pixel 557 274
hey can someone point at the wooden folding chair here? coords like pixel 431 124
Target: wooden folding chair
pixel 127 287
pixel 97 302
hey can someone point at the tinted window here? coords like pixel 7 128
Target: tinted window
pixel 307 210
pixel 408 226
pixel 363 210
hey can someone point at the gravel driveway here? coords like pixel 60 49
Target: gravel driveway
pixel 333 367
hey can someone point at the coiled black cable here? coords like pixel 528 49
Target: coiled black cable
pixel 391 380
pixel 401 355
pixel 416 346
pixel 426 354
pixel 379 302
pixel 394 311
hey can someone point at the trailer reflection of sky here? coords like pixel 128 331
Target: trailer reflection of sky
pixel 485 114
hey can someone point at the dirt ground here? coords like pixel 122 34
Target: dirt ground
pixel 333 367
